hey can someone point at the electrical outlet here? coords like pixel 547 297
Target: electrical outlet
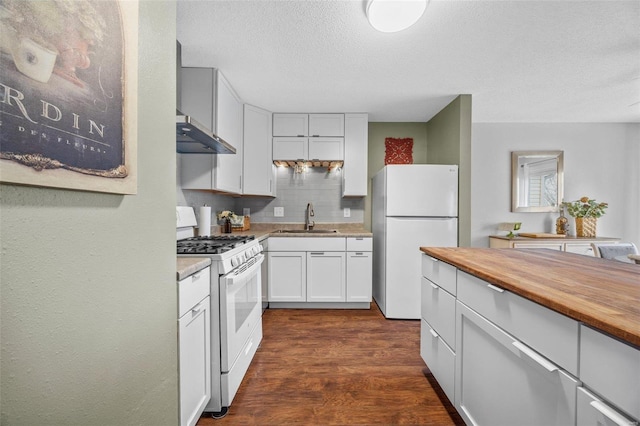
pixel 278 211
pixel 347 212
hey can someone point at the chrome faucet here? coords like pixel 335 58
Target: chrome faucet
pixel 308 223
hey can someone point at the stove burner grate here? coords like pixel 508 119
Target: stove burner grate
pixel 216 244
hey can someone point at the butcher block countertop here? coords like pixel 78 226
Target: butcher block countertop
pixel 604 294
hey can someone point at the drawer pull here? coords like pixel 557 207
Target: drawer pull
pixel 434 259
pixel 196 276
pixel 610 414
pixel 495 288
pixel 434 286
pixel 433 332
pixel 196 309
pixel 246 351
pixel 549 366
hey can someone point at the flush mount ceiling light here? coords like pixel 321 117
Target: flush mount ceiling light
pixel 390 16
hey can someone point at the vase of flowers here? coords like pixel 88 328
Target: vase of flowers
pixel 224 218
pixel 586 213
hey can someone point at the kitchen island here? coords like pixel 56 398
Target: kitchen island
pixel 532 336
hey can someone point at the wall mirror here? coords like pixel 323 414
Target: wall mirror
pixel 536 181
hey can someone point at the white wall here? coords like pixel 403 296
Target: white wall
pixel 88 280
pixel 600 161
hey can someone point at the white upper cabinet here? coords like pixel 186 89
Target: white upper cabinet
pixel 308 137
pixel 326 125
pixel 326 148
pixel 356 144
pixel 209 98
pixel 314 125
pixel 287 148
pixel 291 125
pixel 229 113
pixel 258 173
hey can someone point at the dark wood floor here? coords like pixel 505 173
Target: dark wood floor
pixel 339 367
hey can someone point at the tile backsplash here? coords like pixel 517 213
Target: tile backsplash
pixel 294 191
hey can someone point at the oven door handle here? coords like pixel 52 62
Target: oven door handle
pixel 232 278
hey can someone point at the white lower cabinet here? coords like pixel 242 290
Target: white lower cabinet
pixel 611 369
pixel 593 411
pixel 439 357
pixel 438 319
pixel 321 272
pixel 438 309
pixel 516 362
pixel 326 277
pixel 287 276
pixel 194 346
pixel 359 276
pixel 501 381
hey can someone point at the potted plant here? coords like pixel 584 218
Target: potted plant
pixel 586 213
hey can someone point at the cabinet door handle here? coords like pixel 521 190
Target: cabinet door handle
pixel 610 414
pixel 196 308
pixel 495 288
pixel 321 253
pixel 435 287
pixel 196 276
pixel 434 259
pixel 547 365
pixel 246 351
pixel 433 332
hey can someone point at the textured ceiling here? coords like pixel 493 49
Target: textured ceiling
pixel 522 61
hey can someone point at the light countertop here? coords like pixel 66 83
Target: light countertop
pixel 264 230
pixel 190 265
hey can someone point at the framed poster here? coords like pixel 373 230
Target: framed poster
pixel 68 94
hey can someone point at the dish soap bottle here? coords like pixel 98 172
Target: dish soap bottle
pixel 562 223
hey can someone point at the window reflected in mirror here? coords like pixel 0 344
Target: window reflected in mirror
pixel 536 181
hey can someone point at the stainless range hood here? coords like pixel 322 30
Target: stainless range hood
pixel 194 138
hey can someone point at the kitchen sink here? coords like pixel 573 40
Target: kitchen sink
pixel 304 231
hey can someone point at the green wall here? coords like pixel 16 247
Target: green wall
pixel 445 139
pixel 88 293
pixel 377 134
pixel 449 134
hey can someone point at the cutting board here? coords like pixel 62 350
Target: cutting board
pixel 540 235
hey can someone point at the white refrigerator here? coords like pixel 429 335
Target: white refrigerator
pixel 413 206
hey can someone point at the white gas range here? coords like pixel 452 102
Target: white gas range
pixel 236 304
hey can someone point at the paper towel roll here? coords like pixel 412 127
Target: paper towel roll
pixel 204 227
